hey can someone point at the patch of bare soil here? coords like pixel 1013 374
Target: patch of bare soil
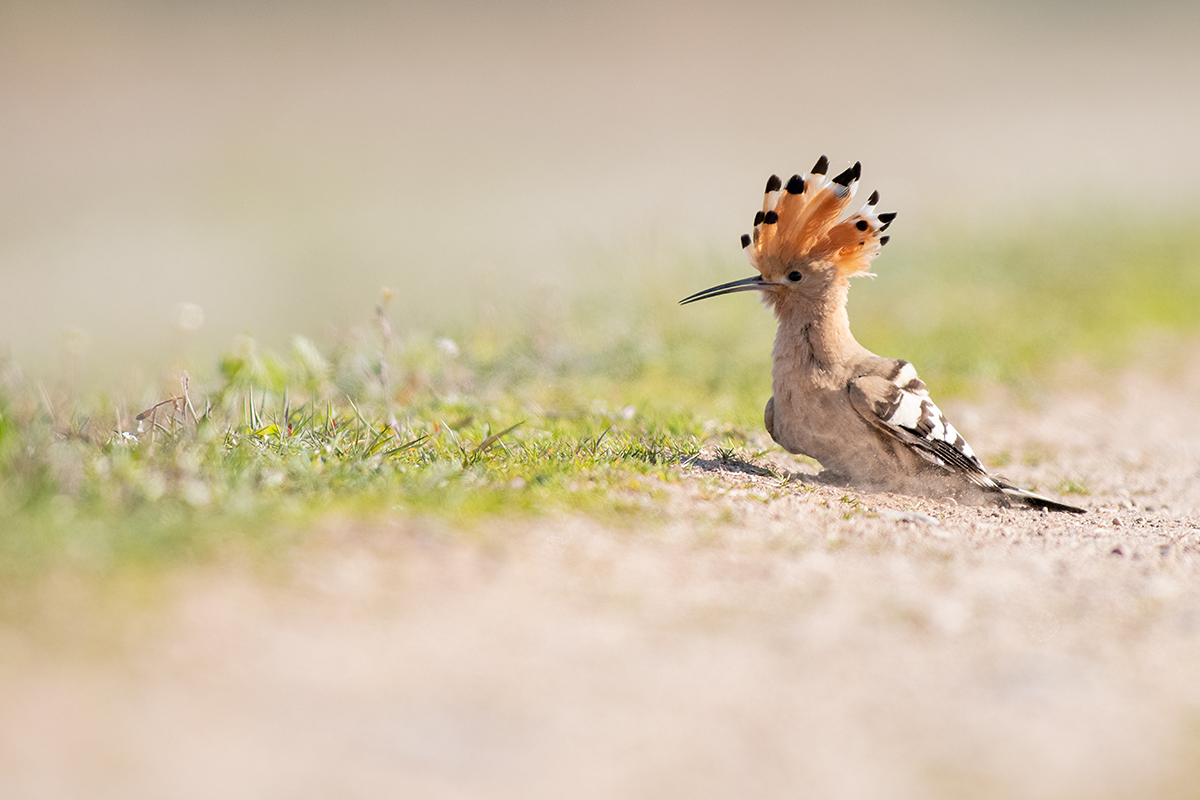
pixel 762 640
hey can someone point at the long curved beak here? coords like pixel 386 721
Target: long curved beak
pixel 748 285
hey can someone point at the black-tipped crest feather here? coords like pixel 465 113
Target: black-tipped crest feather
pixel 844 178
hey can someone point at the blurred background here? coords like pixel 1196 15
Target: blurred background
pixel 539 183
pixel 175 173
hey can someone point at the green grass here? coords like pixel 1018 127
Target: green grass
pixel 535 408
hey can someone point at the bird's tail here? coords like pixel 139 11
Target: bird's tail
pixel 1024 498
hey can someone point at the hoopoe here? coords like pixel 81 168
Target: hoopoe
pixel 868 420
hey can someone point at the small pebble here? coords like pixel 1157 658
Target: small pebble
pixel 909 516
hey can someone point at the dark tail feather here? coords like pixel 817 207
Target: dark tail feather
pixel 1037 501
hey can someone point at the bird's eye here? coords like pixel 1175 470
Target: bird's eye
pixel 794 276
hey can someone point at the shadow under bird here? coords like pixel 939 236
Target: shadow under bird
pixel 868 420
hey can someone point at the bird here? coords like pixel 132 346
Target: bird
pixel 868 420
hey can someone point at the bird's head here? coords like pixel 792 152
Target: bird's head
pixel 802 248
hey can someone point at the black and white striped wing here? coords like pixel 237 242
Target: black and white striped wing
pixel 899 404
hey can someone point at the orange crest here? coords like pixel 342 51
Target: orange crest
pixel 802 222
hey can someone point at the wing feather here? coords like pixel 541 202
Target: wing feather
pixel 899 405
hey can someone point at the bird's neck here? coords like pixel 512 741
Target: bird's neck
pixel 820 344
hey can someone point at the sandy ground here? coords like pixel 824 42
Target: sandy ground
pixel 818 643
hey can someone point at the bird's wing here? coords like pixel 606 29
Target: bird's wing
pixel 896 402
